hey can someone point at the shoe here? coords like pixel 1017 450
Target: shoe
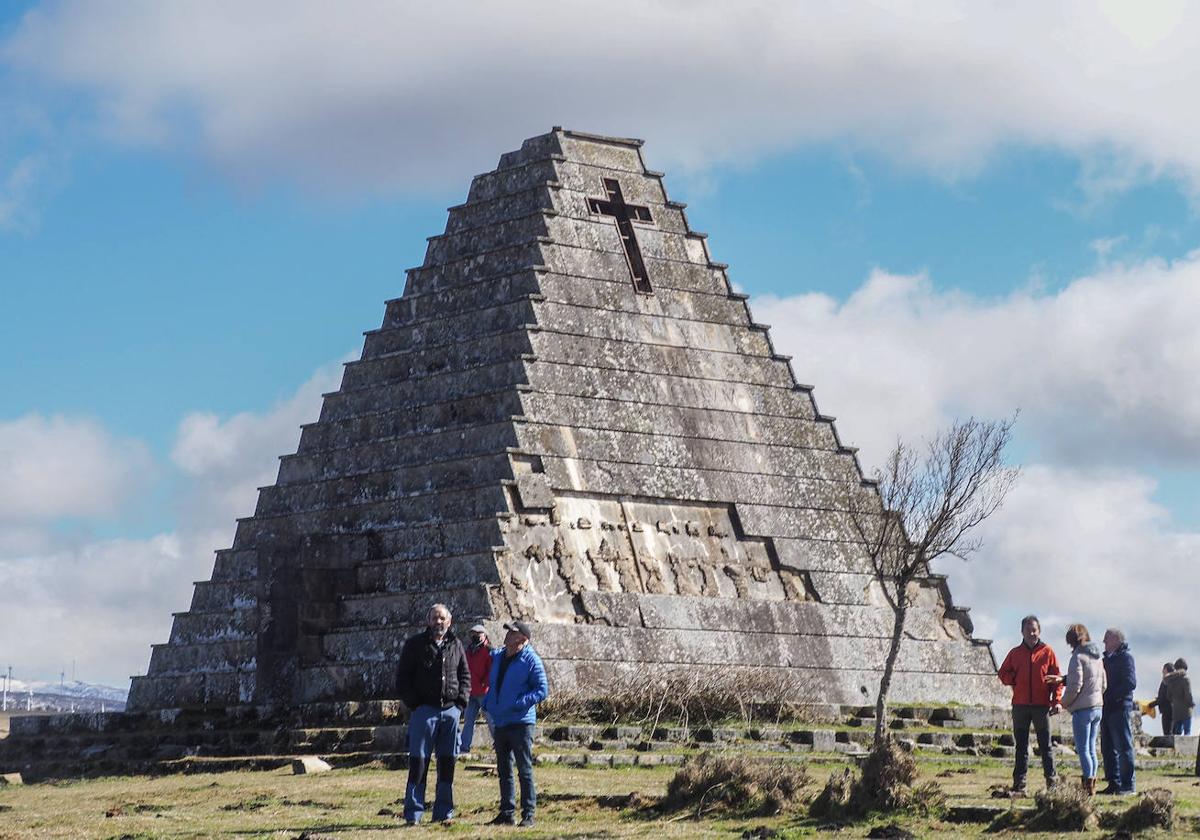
pixel 1126 791
pixel 526 822
pixel 449 821
pixel 1110 790
pixel 1017 791
pixel 503 819
pixel 410 823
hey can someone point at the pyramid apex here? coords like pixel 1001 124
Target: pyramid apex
pixel 633 142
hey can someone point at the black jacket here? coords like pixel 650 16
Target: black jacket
pixel 433 676
pixel 1122 678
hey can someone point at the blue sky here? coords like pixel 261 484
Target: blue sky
pixel 202 206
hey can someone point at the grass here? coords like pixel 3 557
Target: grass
pixel 573 803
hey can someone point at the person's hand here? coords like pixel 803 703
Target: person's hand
pixel 1056 708
pixel 1052 679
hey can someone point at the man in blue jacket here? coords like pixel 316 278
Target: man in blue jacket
pixel 518 684
pixel 1116 739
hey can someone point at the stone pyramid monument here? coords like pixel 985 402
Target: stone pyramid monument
pixel 570 417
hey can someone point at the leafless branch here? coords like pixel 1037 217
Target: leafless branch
pixel 928 504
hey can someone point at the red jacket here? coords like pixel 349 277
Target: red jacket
pixel 1024 668
pixel 479 662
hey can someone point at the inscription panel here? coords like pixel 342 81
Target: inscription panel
pixel 589 543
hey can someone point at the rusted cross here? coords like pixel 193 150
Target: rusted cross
pixel 625 214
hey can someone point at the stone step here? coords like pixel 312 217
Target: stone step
pixel 431 509
pixel 390 484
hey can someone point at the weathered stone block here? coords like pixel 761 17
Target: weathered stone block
pixel 310 764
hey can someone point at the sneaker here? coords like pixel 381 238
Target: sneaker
pixel 503 819
pixel 526 822
pixel 1110 790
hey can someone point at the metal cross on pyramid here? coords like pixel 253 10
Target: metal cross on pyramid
pixel 525 436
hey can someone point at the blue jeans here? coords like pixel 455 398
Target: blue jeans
pixel 515 741
pixel 431 731
pixel 1182 727
pixel 474 709
pixel 1116 743
pixel 1086 725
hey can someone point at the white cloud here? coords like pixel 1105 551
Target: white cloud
pixel 1102 371
pixel 96 604
pixel 17 192
pixel 374 95
pixel 56 467
pixel 226 461
pixel 1088 545
pixel 102 603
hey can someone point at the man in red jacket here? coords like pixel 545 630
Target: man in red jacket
pixel 479 662
pixel 1025 669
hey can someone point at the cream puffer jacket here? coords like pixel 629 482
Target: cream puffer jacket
pixel 1086 679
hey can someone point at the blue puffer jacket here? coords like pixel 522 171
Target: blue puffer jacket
pixel 1122 677
pixel 523 688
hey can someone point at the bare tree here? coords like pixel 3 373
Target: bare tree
pixel 932 500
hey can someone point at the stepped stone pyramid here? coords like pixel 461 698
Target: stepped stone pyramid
pixel 570 417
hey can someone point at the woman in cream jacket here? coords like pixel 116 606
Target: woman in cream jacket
pixel 1083 697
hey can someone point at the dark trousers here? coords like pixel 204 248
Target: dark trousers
pixel 515 743
pixel 1039 716
pixel 1116 745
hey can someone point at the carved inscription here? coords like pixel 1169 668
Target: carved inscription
pixel 607 544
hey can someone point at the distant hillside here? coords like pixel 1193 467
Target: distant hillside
pixel 76 696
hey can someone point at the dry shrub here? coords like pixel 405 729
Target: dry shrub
pixel 1064 807
pixel 685 697
pixel 735 784
pixel 1154 809
pixel 886 785
pixel 887 778
pixel 833 802
pixel 1061 808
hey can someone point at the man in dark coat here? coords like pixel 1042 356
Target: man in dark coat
pixel 1116 737
pixel 435 685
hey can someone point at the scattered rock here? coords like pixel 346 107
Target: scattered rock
pixel 309 764
pixel 973 813
pixel 763 832
pixel 11 779
pixel 890 832
pixel 257 803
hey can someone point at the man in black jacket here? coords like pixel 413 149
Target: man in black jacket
pixel 435 684
pixel 1116 738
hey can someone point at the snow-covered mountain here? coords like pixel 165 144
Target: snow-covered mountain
pixel 77 696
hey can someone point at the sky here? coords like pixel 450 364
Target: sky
pixel 943 209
